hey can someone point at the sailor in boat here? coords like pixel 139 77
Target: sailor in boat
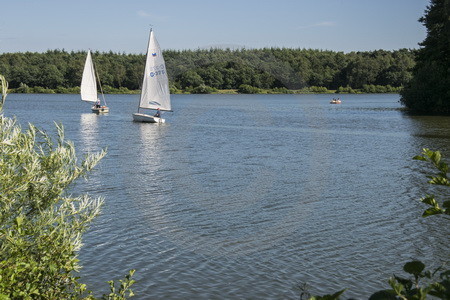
pixel 97 104
pixel 158 113
pixel 335 101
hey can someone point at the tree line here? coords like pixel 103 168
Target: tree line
pixel 206 70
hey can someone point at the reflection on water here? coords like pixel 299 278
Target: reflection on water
pixel 246 196
pixel 150 145
pixel 434 129
pixel 89 131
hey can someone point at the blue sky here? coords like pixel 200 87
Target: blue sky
pixel 123 26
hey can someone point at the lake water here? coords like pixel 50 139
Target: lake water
pixel 249 196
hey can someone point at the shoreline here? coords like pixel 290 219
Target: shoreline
pixel 39 90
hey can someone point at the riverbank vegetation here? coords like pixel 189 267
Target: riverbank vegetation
pixel 268 70
pixel 428 92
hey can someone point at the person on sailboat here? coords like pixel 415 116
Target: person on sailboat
pixel 158 113
pixel 97 104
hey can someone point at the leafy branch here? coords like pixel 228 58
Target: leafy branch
pixel 440 178
pixel 4 85
pixel 124 290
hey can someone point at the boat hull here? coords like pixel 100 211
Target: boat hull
pixel 335 102
pixel 138 117
pixel 100 110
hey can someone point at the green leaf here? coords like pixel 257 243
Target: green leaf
pixel 429 199
pixel 397 287
pixel 432 211
pixel 337 294
pixel 19 221
pixel 334 296
pixel 418 157
pixel 407 283
pixel 383 295
pixel 436 157
pixel 414 267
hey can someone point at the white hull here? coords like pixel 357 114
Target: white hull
pixel 100 110
pixel 138 117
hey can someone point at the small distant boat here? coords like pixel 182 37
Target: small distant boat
pixel 89 87
pixel 336 101
pixel 155 94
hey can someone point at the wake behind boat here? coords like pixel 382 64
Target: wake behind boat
pixel 155 94
pixel 89 87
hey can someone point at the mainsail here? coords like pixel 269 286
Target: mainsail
pixel 88 82
pixel 155 87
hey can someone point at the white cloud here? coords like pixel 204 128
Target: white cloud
pixel 143 14
pixel 320 24
pixel 155 18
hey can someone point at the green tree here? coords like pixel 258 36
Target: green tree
pixel 74 69
pixel 202 89
pixel 428 92
pixel 51 77
pixel 248 89
pixel 212 77
pixel 363 69
pixel 398 72
pixel 191 79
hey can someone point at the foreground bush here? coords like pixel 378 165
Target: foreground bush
pixel 40 224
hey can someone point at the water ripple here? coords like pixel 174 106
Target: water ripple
pixel 292 190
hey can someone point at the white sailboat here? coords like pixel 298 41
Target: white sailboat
pixel 89 87
pixel 155 92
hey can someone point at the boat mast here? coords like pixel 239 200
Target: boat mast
pixel 99 83
pixel 146 57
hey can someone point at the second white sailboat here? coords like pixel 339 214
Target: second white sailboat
pixel 88 87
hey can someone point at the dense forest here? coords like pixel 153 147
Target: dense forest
pixel 205 71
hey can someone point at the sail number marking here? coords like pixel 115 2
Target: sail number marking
pixel 157 70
